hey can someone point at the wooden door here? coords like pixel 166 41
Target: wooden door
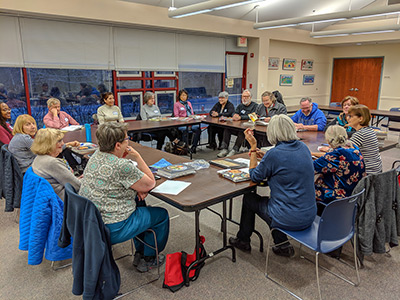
pixel 358 77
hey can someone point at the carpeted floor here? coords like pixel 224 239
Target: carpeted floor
pixel 220 278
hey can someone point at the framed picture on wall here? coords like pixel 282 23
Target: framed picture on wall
pixel 273 63
pixel 308 79
pixel 286 80
pixel 289 64
pixel 307 64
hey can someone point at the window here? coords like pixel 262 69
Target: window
pixel 165 101
pixel 12 91
pixel 130 104
pixel 79 91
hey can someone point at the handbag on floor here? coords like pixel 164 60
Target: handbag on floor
pixel 177 265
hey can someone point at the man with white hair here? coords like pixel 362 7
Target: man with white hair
pixel 241 113
pixel 56 118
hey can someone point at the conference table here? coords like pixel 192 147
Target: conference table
pixel 377 114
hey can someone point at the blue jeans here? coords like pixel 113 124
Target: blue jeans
pixel 255 204
pixel 138 222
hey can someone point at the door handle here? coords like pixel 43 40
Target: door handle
pixel 351 89
pixel 356 89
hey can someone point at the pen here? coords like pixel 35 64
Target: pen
pixel 325 145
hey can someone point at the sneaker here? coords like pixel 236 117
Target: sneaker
pixel 235 242
pixel 223 153
pixel 145 266
pixel 232 153
pixel 136 258
pixel 287 250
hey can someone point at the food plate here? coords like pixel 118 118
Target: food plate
pixel 85 148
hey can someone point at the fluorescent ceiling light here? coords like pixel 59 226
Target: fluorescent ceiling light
pixel 280 26
pixel 330 17
pixel 355 31
pixel 207 6
pixel 377 15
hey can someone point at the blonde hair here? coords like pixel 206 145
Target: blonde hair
pixel 353 100
pixel 361 111
pixel 52 101
pixel 45 140
pixel 20 122
pixel 281 129
pixel 336 136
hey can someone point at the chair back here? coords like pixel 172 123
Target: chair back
pixel 337 221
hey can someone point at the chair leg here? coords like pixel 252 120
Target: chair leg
pixel 158 265
pixel 60 267
pixel 317 274
pixel 356 260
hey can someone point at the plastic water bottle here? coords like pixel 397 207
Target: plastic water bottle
pixel 88 133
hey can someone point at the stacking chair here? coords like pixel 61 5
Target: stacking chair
pixel 393 119
pixel 92 249
pixel 328 232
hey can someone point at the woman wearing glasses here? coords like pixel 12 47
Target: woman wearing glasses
pixel 365 138
pixel 5 127
pixel 47 145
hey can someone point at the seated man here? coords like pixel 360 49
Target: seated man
pixel 309 117
pixel 56 118
pixel 289 170
pixel 112 181
pixel 241 113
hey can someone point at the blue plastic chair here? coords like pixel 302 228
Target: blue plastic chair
pixel 332 230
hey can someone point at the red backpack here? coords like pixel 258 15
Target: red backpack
pixel 177 265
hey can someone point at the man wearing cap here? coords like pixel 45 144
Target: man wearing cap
pixel 223 108
pixel 241 113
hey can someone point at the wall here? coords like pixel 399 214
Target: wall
pixel 390 87
pixel 322 68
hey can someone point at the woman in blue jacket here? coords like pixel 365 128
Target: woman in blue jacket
pixel 288 167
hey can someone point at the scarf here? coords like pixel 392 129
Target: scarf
pixel 188 110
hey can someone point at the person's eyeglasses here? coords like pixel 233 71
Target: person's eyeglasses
pixel 6 109
pixel 127 138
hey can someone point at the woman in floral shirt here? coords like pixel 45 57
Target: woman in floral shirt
pixel 340 169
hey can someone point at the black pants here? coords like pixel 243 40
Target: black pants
pixel 212 132
pixel 160 137
pixel 255 204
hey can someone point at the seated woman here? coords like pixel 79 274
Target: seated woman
pixel 289 170
pixel 112 182
pixel 20 145
pixel 150 110
pixel 183 108
pixel 56 118
pixel 108 112
pixel 223 108
pixel 365 138
pixel 341 120
pixel 48 145
pixel 340 169
pixel 5 127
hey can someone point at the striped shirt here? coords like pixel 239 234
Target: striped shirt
pixel 366 140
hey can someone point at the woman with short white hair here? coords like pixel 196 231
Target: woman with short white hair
pixel 289 170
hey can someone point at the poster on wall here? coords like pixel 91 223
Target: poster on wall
pixel 289 64
pixel 308 79
pixel 286 80
pixel 307 64
pixel 273 63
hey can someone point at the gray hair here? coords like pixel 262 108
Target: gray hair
pixel 305 99
pixel 281 129
pixel 147 96
pixel 109 134
pixel 270 95
pixel 336 136
pixel 52 101
pixel 247 90
pixel 223 95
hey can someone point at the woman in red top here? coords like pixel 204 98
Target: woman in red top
pixel 5 127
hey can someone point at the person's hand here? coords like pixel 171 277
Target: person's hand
pixel 214 114
pixel 299 126
pixel 72 144
pixel 236 117
pixel 131 152
pixel 249 135
pixel 142 195
pixel 80 177
pixel 323 149
pixel 54 112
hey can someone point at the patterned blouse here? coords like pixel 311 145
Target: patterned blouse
pixel 340 170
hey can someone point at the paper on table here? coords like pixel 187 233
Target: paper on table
pixel 172 187
pixel 71 128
